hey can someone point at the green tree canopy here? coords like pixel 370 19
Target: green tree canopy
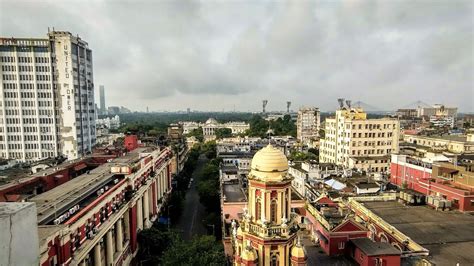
pixel 223 133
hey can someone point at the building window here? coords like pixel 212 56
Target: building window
pixel 341 245
pixel 273 211
pixel 258 211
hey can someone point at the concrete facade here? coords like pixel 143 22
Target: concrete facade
pixel 308 124
pixel 18 234
pixel 354 141
pixel 47 106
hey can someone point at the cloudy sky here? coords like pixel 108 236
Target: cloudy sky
pixel 221 55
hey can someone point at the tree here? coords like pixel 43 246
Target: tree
pixel 153 242
pixel 203 250
pixel 223 133
pixel 197 133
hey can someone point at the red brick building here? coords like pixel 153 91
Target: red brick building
pixel 440 180
pixel 369 253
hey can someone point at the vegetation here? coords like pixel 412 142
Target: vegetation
pixel 159 246
pixel 302 156
pixel 223 133
pixel 281 127
pixel 202 250
pixel 197 133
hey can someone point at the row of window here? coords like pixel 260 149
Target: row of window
pixel 10 86
pixel 7 59
pixel 6 68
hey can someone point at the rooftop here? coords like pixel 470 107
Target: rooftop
pixel 371 248
pixel 233 193
pixel 458 138
pixel 447 235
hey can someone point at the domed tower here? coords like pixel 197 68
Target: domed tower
pixel 267 226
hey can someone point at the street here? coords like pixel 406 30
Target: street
pixel 190 223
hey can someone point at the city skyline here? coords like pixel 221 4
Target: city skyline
pixel 193 54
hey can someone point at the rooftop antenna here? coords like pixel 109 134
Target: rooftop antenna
pixel 264 104
pixel 341 102
pixel 348 103
pixel 288 104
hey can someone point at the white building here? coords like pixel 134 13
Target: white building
pixel 108 122
pixel 308 124
pixel 353 141
pixel 210 126
pixel 46 97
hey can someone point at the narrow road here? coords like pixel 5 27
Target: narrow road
pixel 190 223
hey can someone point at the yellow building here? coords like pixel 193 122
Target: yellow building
pixel 267 232
pixel 354 141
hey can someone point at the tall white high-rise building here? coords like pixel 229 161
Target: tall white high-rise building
pixel 308 124
pixel 354 141
pixel 46 97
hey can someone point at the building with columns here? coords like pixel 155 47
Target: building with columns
pixel 267 233
pixel 94 218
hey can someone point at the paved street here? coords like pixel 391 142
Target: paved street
pixel 190 222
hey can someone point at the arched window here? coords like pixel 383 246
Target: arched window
pixel 274 260
pixel 258 209
pixel 273 211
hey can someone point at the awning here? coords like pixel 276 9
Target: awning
pixel 321 236
pixel 80 166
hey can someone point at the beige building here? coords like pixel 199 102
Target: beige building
pixel 354 141
pixel 451 143
pixel 308 124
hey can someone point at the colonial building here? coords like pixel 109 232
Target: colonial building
pixel 94 219
pixel 354 141
pixel 267 233
pixel 211 125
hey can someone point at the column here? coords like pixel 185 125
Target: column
pixel 110 249
pixel 126 221
pixel 139 214
pixel 146 209
pixel 119 236
pixel 97 255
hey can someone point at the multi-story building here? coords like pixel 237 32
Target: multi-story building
pixel 447 183
pixel 308 124
pixel 47 97
pixel 211 125
pixel 94 219
pixel 103 111
pixel 456 144
pixel 108 122
pixel 354 141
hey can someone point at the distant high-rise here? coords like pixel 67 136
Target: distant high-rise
pixel 308 124
pixel 103 111
pixel 47 106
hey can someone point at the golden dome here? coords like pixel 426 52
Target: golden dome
pixel 269 164
pixel 297 251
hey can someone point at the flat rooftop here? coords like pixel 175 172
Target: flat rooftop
pixel 233 193
pixel 447 235
pixel 459 138
pixel 67 195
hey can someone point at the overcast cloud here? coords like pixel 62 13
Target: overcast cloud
pixel 221 55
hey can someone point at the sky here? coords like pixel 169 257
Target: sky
pixel 231 55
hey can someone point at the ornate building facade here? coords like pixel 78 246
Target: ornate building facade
pixel 267 232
